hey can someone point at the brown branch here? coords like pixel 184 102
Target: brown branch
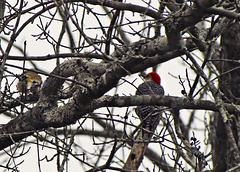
pixel 140 146
pixel 123 6
pixel 223 12
pixel 151 154
pixel 54 56
pixel 169 101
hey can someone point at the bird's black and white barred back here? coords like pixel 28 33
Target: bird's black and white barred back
pixel 149 87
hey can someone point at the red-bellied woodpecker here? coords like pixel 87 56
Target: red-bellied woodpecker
pixel 150 86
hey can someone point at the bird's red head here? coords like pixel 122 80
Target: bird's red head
pixel 153 76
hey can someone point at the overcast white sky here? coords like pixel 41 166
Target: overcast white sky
pixel 168 71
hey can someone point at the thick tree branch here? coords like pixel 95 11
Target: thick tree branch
pixel 223 12
pixel 69 113
pixel 168 101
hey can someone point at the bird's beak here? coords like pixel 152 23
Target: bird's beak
pixel 142 74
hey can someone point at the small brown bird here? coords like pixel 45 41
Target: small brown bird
pixel 29 82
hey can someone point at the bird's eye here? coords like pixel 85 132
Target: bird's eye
pixel 24 77
pixel 147 76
